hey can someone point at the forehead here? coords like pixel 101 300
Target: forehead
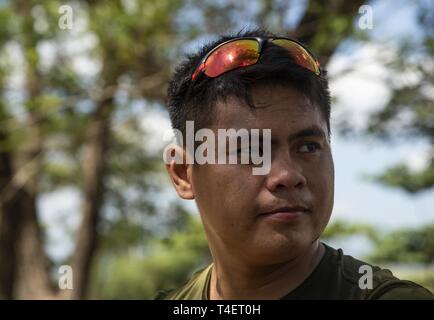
pixel 276 107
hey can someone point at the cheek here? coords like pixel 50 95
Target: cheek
pixel 226 192
pixel 322 187
pixel 320 174
pixel 329 178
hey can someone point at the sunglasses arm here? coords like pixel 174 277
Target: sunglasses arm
pixel 198 71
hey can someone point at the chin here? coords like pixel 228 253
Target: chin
pixel 281 248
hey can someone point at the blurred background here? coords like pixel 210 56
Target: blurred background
pixel 83 123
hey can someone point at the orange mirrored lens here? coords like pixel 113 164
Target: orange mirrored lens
pixel 300 54
pixel 239 53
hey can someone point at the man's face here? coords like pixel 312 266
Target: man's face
pixel 233 202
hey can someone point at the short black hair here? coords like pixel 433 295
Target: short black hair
pixel 196 101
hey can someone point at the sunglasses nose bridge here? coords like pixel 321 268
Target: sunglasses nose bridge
pixel 262 42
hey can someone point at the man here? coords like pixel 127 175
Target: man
pixel 264 229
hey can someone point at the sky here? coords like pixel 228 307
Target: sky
pixel 357 93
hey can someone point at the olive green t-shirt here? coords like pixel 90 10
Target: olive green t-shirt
pixel 336 277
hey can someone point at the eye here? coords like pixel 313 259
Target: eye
pixel 309 147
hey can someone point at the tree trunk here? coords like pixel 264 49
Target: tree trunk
pixel 9 225
pixel 315 19
pixel 94 171
pixel 31 276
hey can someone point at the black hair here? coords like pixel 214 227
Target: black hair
pixel 196 101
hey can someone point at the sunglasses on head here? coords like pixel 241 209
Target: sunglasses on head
pixel 242 52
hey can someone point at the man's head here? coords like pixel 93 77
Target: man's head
pixel 235 206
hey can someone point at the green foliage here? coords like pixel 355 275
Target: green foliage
pixel 402 246
pixel 166 264
pixel 410 111
pixel 402 177
pixel 410 246
pixel 341 228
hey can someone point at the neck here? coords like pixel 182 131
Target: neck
pixel 235 280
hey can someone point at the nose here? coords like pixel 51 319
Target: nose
pixel 285 173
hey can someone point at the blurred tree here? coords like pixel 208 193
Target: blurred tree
pixel 410 246
pixel 410 111
pixel 340 228
pixel 409 114
pixel 69 128
pixel 54 125
pixel 143 268
pixel 401 246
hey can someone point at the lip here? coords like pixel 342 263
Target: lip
pixel 285 214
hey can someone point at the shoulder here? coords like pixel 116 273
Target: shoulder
pixel 402 290
pixel 193 289
pixel 373 282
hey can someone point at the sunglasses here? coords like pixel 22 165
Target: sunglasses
pixel 242 52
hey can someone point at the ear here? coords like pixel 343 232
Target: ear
pixel 180 172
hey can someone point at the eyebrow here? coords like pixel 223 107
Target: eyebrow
pixel 313 131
